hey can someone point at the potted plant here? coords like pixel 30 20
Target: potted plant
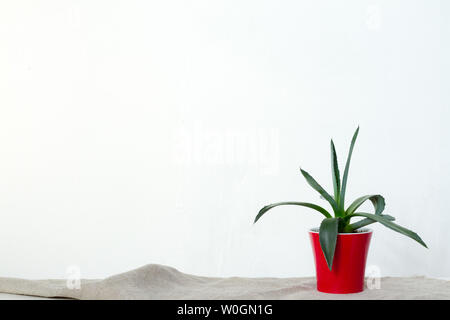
pixel 340 246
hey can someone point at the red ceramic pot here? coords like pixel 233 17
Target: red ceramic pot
pixel 349 264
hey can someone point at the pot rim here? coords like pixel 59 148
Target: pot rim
pixel 363 231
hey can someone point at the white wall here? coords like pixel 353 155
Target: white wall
pixel 136 132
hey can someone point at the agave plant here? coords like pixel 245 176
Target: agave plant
pixel 341 221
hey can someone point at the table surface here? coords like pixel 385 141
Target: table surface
pixel 168 283
pixel 7 296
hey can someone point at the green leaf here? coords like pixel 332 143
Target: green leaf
pixel 335 173
pixel 391 225
pixel 378 203
pixel 316 186
pixel 366 221
pixel 303 204
pixel 328 237
pixel 347 166
pixel 376 199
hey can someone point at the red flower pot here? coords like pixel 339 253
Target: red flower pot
pixel 349 263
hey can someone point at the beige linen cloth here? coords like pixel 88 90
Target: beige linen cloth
pixel 161 282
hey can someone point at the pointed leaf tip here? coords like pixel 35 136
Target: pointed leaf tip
pixel 328 232
pixel 302 204
pixel 347 166
pixel 335 174
pixel 393 226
